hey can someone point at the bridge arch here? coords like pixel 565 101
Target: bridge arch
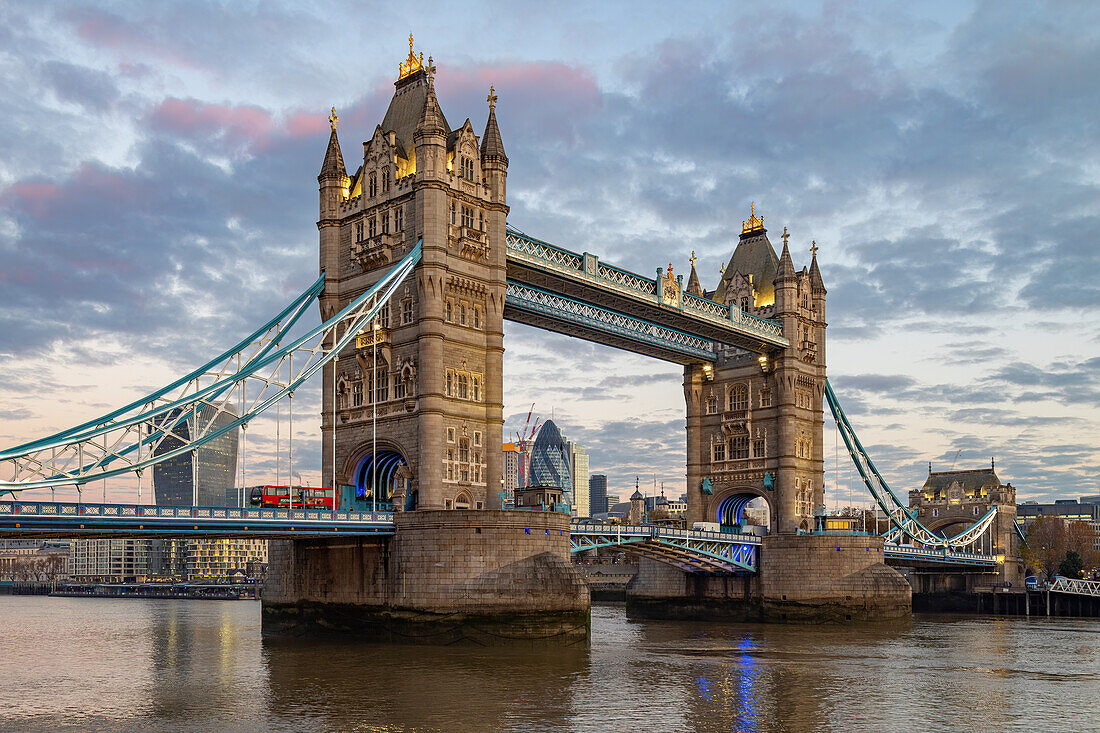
pixel 728 507
pixel 362 468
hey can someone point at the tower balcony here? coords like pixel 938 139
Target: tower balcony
pixel 375 251
pixel 809 350
pixel 473 243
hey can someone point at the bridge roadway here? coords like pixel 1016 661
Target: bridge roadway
pixel 692 551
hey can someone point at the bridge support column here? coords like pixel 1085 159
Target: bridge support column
pixel 802 578
pixel 487 577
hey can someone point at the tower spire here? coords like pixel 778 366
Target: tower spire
pixel 816 283
pixel 333 166
pixel 492 147
pixel 693 286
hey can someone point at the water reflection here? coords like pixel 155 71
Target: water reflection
pixel 131 665
pixel 371 687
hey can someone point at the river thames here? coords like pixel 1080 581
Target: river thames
pixel 152 665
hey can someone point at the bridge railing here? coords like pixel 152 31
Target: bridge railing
pixel 655 531
pixel 33 509
pixel 1063 584
pixel 938 552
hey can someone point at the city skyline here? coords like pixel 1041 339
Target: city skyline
pixel 156 191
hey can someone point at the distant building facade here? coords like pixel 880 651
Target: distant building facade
pixel 513 469
pixel 597 493
pixel 578 461
pixel 110 561
pixel 203 477
pixel 1068 510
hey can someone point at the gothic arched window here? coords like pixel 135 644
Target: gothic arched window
pixel 739 398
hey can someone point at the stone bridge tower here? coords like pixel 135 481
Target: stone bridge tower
pixel 755 422
pixel 430 370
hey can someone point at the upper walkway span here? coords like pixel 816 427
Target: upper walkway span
pixel 580 279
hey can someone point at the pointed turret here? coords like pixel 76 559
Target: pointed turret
pixel 816 283
pixel 431 120
pixel 786 266
pixel 492 147
pixel 333 167
pixel 693 286
pixel 494 162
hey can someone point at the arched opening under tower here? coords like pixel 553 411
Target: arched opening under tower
pixel 740 511
pixel 378 478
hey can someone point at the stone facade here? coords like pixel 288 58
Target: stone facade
pixel 802 578
pixel 951 501
pixel 446 576
pixel 755 424
pixel 435 362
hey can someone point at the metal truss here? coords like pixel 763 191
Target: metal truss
pixel 1063 584
pixel 586 315
pixel 905 527
pixel 695 552
pixel 73 519
pixel 901 516
pixel 938 556
pixel 223 394
pixel 587 268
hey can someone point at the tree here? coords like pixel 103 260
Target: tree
pixel 1071 565
pixel 1045 545
pixel 1081 538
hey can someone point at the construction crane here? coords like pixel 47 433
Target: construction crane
pixel 524 441
pixel 956 458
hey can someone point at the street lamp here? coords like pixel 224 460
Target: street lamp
pixel 374 416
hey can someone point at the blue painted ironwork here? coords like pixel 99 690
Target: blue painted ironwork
pixel 72 519
pixel 602 320
pixel 588 269
pixel 689 550
pixel 905 523
pixel 126 440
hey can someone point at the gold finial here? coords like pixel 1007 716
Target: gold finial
pixel 692 258
pixel 412 64
pixel 492 98
pixel 333 119
pixel 813 249
pixel 670 269
pixel 754 223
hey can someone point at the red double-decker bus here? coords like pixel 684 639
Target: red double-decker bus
pixel 304 497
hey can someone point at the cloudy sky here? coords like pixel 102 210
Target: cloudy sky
pixel 158 171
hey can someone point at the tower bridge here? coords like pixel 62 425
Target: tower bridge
pixel 418 272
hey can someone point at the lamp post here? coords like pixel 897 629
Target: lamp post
pixel 374 416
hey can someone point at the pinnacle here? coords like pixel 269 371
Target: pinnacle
pixel 333 166
pixel 491 144
pixel 786 266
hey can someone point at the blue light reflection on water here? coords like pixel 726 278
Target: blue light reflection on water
pixel 150 666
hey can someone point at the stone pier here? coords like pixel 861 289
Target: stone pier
pixel 802 579
pixel 483 577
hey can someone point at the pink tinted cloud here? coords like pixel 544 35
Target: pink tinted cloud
pixel 36 198
pixel 543 98
pixel 107 30
pixel 236 125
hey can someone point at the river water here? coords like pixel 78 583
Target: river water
pixel 164 665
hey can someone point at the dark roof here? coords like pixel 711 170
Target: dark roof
pixel 970 480
pixel 754 256
pixel 491 144
pixel 693 286
pixel 406 107
pixel 636 495
pixel 333 165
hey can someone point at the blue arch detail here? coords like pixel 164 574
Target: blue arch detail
pixel 732 509
pixel 388 463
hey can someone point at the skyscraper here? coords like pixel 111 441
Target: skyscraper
pixel 513 457
pixel 550 465
pixel 204 476
pixel 578 460
pixel 597 494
